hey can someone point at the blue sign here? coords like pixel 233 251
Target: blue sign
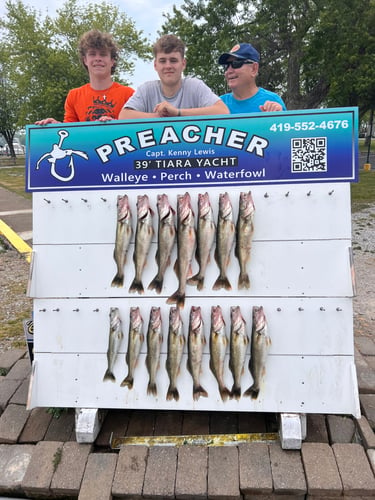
pixel 262 148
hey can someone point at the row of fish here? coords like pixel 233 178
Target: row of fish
pixel 218 342
pixel 191 237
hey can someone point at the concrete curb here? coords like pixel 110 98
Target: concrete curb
pixel 16 241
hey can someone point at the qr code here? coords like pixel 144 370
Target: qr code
pixel 309 154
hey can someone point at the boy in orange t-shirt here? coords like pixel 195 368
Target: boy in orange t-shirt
pixel 101 99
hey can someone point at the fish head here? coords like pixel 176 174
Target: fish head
pixel 225 206
pixel 196 319
pixel 164 207
pixel 174 318
pixel 259 320
pixel 184 206
pixel 135 317
pixel 204 205
pixel 123 207
pixel 246 204
pixel 114 317
pixel 155 316
pixel 143 206
pixel 236 315
pixel 113 312
pixel 217 319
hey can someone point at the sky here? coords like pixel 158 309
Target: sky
pixel 146 14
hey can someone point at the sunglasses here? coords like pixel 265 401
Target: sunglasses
pixel 236 63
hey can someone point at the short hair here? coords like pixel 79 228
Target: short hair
pixel 95 39
pixel 168 44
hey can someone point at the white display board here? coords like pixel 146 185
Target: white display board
pixel 300 272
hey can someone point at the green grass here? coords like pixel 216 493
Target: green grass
pixel 13 179
pixel 12 327
pixel 363 192
pixel 364 148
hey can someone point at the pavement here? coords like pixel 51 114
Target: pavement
pixel 40 458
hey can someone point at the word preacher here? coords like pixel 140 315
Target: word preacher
pixel 190 134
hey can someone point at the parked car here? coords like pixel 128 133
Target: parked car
pixel 19 149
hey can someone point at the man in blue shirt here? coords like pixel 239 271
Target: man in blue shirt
pixel 241 66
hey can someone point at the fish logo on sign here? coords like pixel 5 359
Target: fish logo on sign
pixel 58 153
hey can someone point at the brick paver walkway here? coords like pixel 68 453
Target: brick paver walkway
pixel 40 457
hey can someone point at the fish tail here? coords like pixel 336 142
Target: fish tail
pixel 152 389
pixel 172 393
pixel 252 391
pixel 224 393
pixel 243 281
pixel 200 283
pixel 156 284
pixel 222 282
pixel 196 280
pixel 235 392
pixel 136 286
pixel 128 382
pixel 177 298
pixel 109 376
pixel 199 391
pixel 118 280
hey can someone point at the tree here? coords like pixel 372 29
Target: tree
pixel 217 25
pixel 41 52
pixel 342 47
pixel 283 30
pixel 313 52
pixel 10 104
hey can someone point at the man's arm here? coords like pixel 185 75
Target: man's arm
pixel 46 121
pixel 165 109
pixel 271 106
pixel 129 114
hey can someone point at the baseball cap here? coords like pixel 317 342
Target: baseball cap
pixel 241 51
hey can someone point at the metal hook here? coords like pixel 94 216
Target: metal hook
pixel 56 310
pixel 47 201
pixel 104 199
pixel 309 193
pixel 266 195
pixel 42 310
pixel 300 308
pixel 76 310
pixel 83 199
pixel 65 201
pixel 322 308
pixel 96 310
pixel 331 192
pixel 338 309
pixel 287 194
